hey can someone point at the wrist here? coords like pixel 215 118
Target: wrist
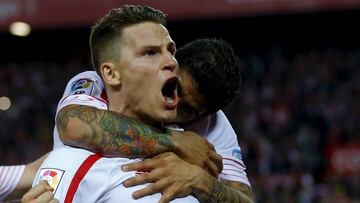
pixel 175 136
pixel 201 188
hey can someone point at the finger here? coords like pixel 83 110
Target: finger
pixel 153 188
pixel 144 165
pixel 211 146
pixel 217 160
pixel 211 168
pixel 45 197
pixel 36 191
pixel 167 196
pixel 140 179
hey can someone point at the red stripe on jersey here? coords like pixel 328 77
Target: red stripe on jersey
pixel 233 165
pixel 99 99
pixel 79 175
pixel 237 171
pixel 103 95
pixel 234 161
pixel 62 99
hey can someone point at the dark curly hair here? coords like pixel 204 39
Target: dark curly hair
pixel 109 28
pixel 215 67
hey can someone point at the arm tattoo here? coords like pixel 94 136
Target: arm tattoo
pixel 221 193
pixel 111 134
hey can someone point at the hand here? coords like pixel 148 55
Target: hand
pixel 41 193
pixel 169 174
pixel 195 149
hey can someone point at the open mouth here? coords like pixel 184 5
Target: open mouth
pixel 169 91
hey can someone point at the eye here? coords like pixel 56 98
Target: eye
pixel 150 52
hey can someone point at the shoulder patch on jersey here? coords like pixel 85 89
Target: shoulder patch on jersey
pixel 82 86
pixel 52 175
pixel 236 153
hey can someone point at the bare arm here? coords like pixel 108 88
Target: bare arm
pixel 245 189
pixel 109 133
pixel 213 190
pixel 115 135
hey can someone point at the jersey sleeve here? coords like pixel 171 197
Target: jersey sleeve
pixel 85 88
pixel 9 178
pixel 221 134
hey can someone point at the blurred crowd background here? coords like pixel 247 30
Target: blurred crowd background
pixel 297 117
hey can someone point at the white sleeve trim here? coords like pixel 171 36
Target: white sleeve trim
pixel 234 170
pixel 9 179
pixel 82 99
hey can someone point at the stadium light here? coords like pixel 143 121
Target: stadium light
pixel 20 29
pixel 5 103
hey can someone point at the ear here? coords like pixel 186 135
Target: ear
pixel 110 74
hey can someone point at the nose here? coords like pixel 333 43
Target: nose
pixel 170 63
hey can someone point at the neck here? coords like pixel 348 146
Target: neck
pixel 118 104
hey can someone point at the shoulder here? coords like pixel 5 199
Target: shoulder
pixel 84 82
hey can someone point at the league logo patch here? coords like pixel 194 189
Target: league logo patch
pixel 236 153
pixel 52 176
pixel 82 86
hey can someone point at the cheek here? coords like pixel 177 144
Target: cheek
pixel 183 117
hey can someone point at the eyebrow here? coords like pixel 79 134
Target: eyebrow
pixel 170 44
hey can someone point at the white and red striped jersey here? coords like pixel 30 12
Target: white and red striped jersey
pixel 9 178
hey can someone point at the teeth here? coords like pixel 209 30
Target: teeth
pixel 168 100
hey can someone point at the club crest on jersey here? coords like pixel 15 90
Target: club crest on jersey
pixel 236 153
pixel 52 176
pixel 82 86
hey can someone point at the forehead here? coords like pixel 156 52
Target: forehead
pixel 146 34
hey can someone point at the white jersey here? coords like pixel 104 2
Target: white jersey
pixel 87 89
pixel 217 129
pixel 91 178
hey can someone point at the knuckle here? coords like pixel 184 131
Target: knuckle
pixel 50 194
pixel 152 188
pixel 156 187
pixel 166 197
pixel 140 164
pixel 25 198
pixel 144 176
